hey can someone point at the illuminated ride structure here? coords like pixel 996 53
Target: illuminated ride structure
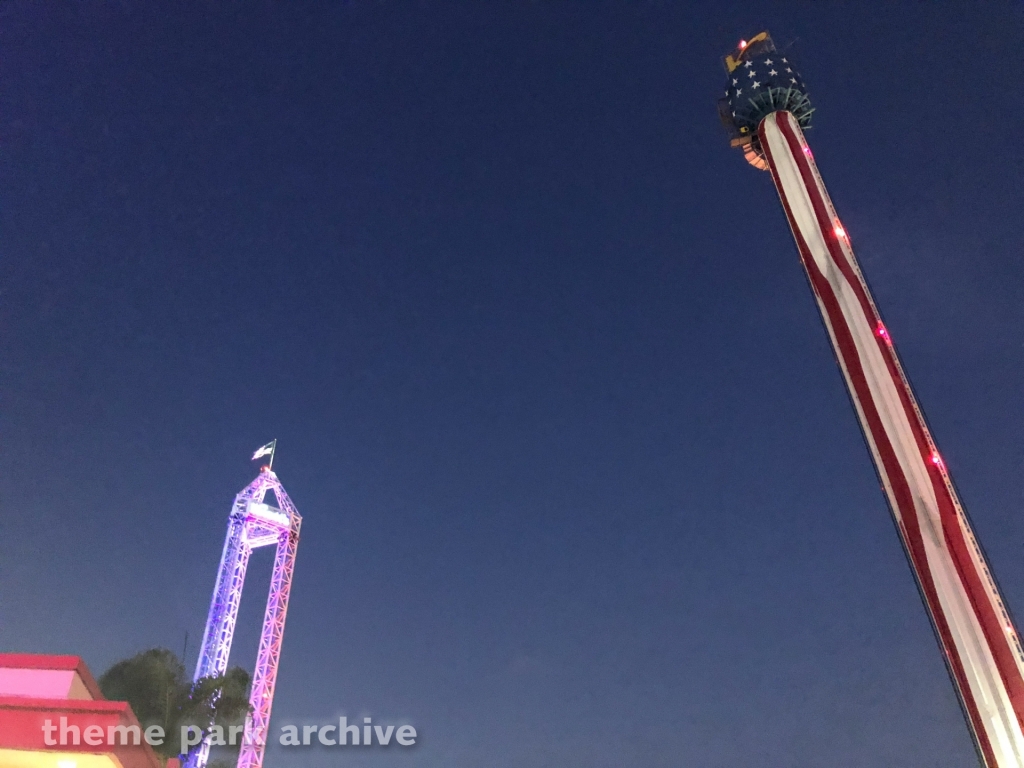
pixel 765 108
pixel 252 523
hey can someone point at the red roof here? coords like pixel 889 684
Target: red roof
pixel 22 717
pixel 45 661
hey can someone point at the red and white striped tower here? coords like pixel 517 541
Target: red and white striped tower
pixel 766 107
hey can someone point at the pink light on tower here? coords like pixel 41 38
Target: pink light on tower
pixel 252 523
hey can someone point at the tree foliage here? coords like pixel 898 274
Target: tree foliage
pixel 155 684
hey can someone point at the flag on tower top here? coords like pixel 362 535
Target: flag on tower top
pixel 266 450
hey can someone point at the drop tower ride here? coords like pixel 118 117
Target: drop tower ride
pixel 766 109
pixel 252 523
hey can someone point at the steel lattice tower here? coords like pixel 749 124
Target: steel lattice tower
pixel 251 524
pixel 766 109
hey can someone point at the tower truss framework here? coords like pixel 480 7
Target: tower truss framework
pixel 252 524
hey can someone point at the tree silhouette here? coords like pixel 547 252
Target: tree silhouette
pixel 155 684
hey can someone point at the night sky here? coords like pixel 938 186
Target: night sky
pixel 581 483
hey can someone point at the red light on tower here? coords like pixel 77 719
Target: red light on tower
pixel 882 333
pixel 743 44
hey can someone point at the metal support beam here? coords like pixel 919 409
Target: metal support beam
pixel 251 524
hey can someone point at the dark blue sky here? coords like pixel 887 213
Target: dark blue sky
pixel 580 479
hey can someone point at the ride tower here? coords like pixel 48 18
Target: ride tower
pixel 766 110
pixel 252 523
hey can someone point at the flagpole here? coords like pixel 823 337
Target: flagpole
pixel 273 450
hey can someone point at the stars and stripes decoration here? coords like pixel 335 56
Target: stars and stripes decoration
pixel 763 84
pixel 979 642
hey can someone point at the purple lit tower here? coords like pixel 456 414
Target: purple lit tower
pixel 252 523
